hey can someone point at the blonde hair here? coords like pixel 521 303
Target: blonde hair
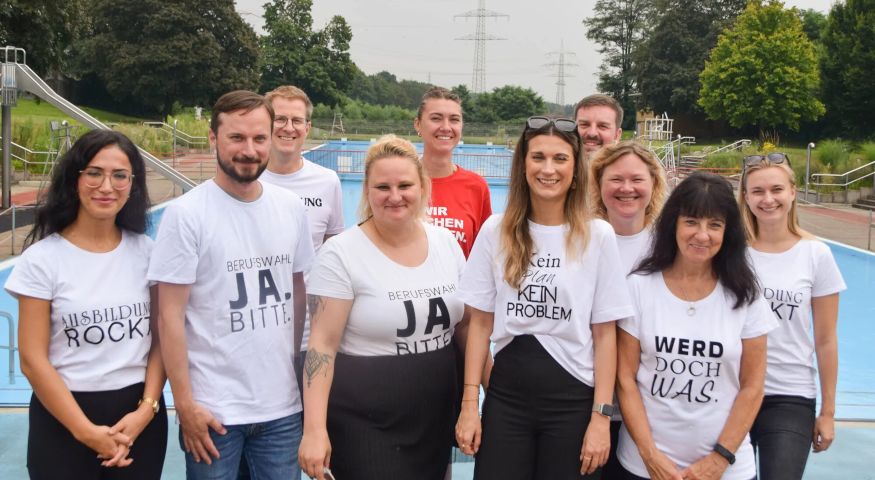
pixel 747 216
pixel 386 147
pixel 516 239
pixel 609 154
pixel 291 93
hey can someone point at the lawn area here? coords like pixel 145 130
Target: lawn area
pixel 46 112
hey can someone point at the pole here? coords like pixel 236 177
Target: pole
pixel 12 245
pixel 175 122
pixel 678 160
pixel 869 247
pixel 7 156
pixel 808 171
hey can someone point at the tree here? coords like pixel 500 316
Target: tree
pixel 45 29
pixel 813 24
pixel 317 61
pixel 669 61
pixel 763 71
pixel 164 51
pixel 467 100
pixel 507 103
pixel 619 26
pixel 848 67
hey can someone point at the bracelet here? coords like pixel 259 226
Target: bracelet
pixel 471 385
pixel 470 399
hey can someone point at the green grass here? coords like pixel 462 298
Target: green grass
pixel 46 112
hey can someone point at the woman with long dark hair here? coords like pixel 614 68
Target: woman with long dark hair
pixel 545 283
pixel 801 282
pixel 691 360
pixel 86 340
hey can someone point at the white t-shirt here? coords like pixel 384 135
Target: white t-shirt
pixel 396 310
pixel 789 280
pixel 558 299
pixel 239 258
pixel 319 189
pixel 688 375
pixel 99 330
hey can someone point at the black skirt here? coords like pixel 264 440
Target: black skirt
pixel 391 417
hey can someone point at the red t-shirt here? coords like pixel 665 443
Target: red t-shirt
pixel 460 203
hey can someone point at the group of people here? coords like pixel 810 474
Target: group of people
pixel 618 332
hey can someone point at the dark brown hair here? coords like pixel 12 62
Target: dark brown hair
pixel 438 93
pixel 599 100
pixel 236 101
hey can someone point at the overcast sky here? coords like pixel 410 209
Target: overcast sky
pixel 416 38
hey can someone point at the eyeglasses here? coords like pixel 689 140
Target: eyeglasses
pixel 564 124
pixel 773 158
pixel 94 177
pixel 298 123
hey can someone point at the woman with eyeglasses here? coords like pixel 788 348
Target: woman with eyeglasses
pixel 801 282
pixel 85 311
pixel 691 360
pixel 544 284
pixel 627 189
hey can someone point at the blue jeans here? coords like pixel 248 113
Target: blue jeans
pixel 270 450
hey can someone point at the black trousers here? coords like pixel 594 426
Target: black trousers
pixel 781 436
pixel 535 416
pixel 53 453
pixel 613 470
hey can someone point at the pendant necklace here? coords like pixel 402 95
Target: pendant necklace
pixel 691 310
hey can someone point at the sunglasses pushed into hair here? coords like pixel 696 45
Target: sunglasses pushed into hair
pixel 564 124
pixel 773 158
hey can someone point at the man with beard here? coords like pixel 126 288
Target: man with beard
pixel 229 259
pixel 598 121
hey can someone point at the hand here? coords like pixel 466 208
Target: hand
pixel 196 422
pixel 708 468
pixel 824 432
pixel 469 429
pixel 131 425
pixel 660 467
pixel 596 444
pixel 314 454
pixel 107 446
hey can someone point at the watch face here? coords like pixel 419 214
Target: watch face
pixel 607 410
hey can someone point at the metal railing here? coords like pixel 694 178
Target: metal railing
pixel 24 155
pixel 191 141
pixel 676 175
pixel 11 347
pixel 734 146
pixel 848 182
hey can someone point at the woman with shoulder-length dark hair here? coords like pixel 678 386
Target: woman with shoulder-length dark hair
pixel 86 340
pixel 692 359
pixel 545 283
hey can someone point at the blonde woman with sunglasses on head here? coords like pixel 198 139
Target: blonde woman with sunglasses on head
pixel 801 282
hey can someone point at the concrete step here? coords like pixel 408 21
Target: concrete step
pixel 863 207
pixel 866 202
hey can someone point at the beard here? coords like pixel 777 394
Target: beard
pixel 229 167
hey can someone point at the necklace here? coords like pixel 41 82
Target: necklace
pixel 691 310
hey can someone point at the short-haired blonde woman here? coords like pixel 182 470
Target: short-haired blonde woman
pixel 544 283
pixel 627 189
pixel 383 312
pixel 801 282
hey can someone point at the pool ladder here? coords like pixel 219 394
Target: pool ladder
pixel 11 347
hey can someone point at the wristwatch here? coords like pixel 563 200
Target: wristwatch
pixel 725 453
pixel 605 409
pixel 150 401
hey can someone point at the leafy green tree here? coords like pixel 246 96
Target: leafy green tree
pixel 763 71
pixel 45 29
pixel 508 103
pixel 669 61
pixel 383 88
pixel 813 24
pixel 165 51
pixel 619 27
pixel 317 61
pixel 467 100
pixel 847 64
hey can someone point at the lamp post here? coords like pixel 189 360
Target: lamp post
pixel 808 170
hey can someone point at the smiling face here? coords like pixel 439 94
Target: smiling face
pixel 549 168
pixel 243 144
pixel 104 201
pixel 394 190
pixel 770 194
pixel 597 126
pixel 440 126
pixel 288 141
pixel 626 187
pixel 699 239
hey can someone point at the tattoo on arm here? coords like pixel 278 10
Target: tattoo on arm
pixel 316 363
pixel 316 305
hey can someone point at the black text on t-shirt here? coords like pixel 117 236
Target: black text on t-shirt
pixel 538 296
pixel 783 302
pixel 438 316
pixel 683 364
pixel 117 323
pixel 266 313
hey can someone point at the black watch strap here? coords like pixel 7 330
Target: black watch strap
pixel 725 453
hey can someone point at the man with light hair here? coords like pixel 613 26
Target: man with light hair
pixel 599 118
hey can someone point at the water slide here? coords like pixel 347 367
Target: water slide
pixel 31 82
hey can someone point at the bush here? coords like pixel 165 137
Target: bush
pixel 833 154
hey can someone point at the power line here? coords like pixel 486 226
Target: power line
pixel 560 75
pixel 480 37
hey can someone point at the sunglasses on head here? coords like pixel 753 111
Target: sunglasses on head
pixel 564 124
pixel 773 158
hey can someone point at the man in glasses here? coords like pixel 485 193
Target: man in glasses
pixel 598 121
pixel 229 259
